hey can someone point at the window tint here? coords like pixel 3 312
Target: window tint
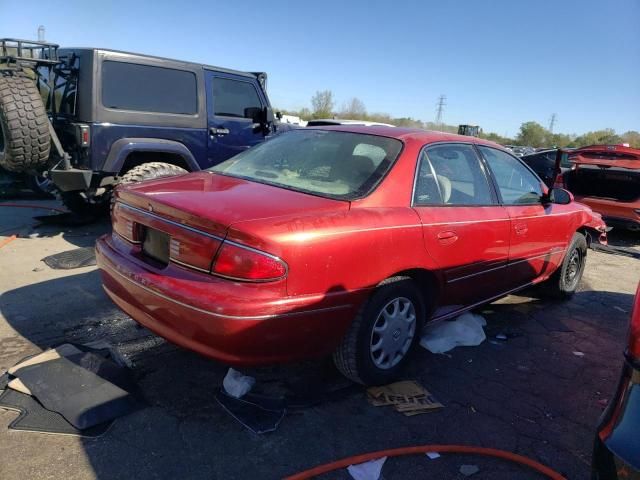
pixel 231 98
pixel 451 175
pixel 333 164
pixel 127 86
pixel 516 183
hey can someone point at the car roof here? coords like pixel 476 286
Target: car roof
pixel 408 134
pixel 134 55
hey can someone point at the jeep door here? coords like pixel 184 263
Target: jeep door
pixel 230 101
pixel 465 230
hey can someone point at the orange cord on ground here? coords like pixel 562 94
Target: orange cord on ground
pixel 7 240
pixel 25 205
pixel 396 452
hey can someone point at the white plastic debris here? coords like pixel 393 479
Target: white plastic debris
pixel 368 470
pixel 464 331
pixel 433 455
pixel 579 354
pixel 236 384
pixel 468 470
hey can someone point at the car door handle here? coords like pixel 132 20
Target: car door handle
pixel 447 237
pixel 521 228
pixel 218 132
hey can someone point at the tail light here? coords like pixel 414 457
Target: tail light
pixel 634 330
pixel 238 262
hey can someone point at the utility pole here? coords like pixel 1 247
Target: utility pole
pixel 440 108
pixel 552 122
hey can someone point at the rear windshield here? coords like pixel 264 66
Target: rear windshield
pixel 338 165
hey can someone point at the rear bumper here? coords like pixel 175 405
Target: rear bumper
pixel 617 445
pixel 236 323
pixel 622 214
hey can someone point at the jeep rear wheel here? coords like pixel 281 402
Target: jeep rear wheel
pixel 25 140
pixel 151 171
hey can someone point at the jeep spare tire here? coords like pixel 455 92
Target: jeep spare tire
pixel 24 127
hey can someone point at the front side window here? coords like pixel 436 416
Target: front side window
pixel 338 165
pixel 516 183
pixel 143 88
pixel 234 98
pixel 451 174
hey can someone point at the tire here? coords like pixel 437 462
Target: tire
pixel 25 140
pixel 86 204
pixel 150 171
pixel 565 280
pixel 357 357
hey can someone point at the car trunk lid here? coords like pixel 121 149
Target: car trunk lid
pixel 606 171
pixel 212 202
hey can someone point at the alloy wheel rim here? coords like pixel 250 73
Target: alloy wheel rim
pixel 573 268
pixel 393 333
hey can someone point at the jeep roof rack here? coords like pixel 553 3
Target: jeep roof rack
pixel 28 52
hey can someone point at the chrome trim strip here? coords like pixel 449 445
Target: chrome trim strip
pixel 508 264
pixel 135 242
pixel 187 265
pixel 171 222
pixel 219 315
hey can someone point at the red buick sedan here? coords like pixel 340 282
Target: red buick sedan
pixel 338 239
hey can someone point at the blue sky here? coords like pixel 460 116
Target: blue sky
pixel 499 63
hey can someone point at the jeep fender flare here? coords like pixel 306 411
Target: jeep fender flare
pixel 122 148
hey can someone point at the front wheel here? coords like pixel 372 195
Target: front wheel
pixel 383 334
pixel 565 280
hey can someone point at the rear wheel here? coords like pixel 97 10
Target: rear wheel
pixel 383 334
pixel 565 280
pixel 150 171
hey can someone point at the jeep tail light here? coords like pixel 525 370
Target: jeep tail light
pixel 238 262
pixel 84 135
pixel 634 330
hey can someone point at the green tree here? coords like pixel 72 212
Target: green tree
pixel 607 136
pixel 631 137
pixel 322 104
pixel 533 134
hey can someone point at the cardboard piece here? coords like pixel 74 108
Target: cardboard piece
pixel 407 397
pixel 64 350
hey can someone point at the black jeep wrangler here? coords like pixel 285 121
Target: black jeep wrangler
pixel 93 118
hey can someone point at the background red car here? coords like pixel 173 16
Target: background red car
pixel 339 239
pixel 607 178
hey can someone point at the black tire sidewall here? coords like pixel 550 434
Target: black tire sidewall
pixel 578 242
pixel 367 370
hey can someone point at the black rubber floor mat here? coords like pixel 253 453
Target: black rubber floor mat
pixel 251 415
pixel 81 396
pixel 67 219
pixel 79 257
pixel 35 418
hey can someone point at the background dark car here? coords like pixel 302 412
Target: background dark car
pixel 548 164
pixel 617 447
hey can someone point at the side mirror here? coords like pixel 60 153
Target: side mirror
pixel 254 113
pixel 268 115
pixel 559 196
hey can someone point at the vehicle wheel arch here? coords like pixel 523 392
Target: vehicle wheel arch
pixel 426 280
pixel 127 153
pixel 138 157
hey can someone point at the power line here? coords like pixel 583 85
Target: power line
pixel 440 108
pixel 552 122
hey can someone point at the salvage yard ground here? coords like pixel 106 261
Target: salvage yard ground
pixel 539 393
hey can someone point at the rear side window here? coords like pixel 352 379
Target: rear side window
pixel 233 98
pixel 451 175
pixel 143 88
pixel 517 185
